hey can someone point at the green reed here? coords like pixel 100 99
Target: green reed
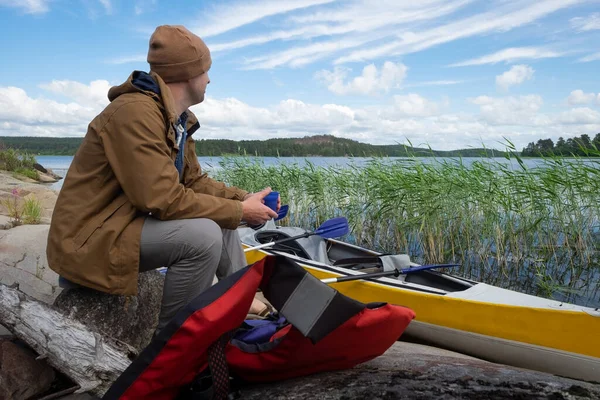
pixel 530 229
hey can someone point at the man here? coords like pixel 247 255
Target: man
pixel 135 197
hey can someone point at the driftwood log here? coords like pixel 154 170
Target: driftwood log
pixel 90 359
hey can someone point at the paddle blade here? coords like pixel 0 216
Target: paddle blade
pixel 333 228
pixel 283 210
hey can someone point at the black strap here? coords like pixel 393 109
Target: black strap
pixel 359 262
pixel 213 382
pixel 218 366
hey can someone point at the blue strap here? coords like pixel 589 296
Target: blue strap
pixel 259 331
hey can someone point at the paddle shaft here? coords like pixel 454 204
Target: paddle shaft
pixel 269 244
pixel 363 276
pixel 396 272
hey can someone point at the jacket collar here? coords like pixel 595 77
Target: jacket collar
pixel 192 123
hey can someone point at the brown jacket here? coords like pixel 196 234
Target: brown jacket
pixel 123 171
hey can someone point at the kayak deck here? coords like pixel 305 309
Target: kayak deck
pixel 454 303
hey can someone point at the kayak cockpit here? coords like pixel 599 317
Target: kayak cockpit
pixel 344 258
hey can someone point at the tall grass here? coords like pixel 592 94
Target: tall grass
pixel 535 230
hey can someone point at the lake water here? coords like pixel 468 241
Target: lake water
pixel 60 164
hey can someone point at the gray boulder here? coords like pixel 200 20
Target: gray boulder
pixel 23 262
pixel 21 375
pixel 131 320
pixel 413 371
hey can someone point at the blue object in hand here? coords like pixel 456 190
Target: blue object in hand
pixel 271 200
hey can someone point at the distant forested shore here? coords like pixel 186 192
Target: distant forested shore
pixel 309 146
pixel 582 145
pixel 320 146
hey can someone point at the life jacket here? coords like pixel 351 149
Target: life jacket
pixel 315 329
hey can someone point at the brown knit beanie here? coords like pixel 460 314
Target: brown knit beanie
pixel 176 54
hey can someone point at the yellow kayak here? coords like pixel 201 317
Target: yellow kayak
pixel 474 318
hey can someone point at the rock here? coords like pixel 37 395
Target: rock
pixel 23 261
pixel 39 168
pixel 21 376
pixel 43 193
pixel 5 222
pixel 414 371
pixel 46 178
pixel 24 178
pixel 130 320
pixel 46 175
pixel 5 333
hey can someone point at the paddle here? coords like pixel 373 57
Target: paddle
pixel 396 272
pixel 283 210
pixel 331 228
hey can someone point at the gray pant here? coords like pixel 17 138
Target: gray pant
pixel 194 250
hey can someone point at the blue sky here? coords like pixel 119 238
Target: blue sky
pixel 445 73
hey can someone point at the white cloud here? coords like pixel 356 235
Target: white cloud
pixel 579 97
pixel 511 111
pixel 16 107
pixel 514 76
pixel 591 57
pixel 588 23
pixel 371 81
pixel 298 56
pixel 363 30
pixel 107 6
pixel 360 23
pixel 226 16
pixel 579 116
pixel 510 55
pixel 434 83
pixel 504 18
pixel 411 116
pixel 144 6
pixel 93 95
pixel 21 114
pixel 414 105
pixel 29 6
pixel 288 117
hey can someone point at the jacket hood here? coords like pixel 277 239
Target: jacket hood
pixel 138 81
pixel 151 85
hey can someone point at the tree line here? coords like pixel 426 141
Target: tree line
pixel 320 146
pixel 577 146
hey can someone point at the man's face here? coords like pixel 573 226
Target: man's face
pixel 198 87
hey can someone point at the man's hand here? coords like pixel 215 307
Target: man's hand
pixel 254 210
pixel 247 196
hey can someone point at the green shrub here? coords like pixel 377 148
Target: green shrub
pixel 12 160
pixel 32 211
pixel 22 210
pixel 13 208
pixel 9 160
pixel 28 172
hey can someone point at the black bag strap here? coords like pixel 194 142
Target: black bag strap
pixel 359 262
pixel 213 382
